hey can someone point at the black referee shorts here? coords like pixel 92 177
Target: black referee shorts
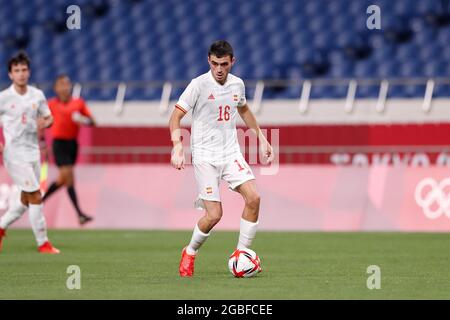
pixel 65 152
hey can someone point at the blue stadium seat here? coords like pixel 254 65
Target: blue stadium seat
pixel 168 40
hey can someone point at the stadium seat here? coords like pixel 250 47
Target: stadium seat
pixel 155 40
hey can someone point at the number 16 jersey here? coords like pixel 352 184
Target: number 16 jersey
pixel 214 108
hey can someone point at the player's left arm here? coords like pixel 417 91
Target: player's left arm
pixel 45 122
pixel 250 121
pixel 89 120
pixel 45 118
pixel 84 116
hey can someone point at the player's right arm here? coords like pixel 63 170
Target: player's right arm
pixel 187 101
pixel 177 159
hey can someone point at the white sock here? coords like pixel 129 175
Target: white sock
pixel 38 224
pixel 14 212
pixel 198 238
pixel 247 233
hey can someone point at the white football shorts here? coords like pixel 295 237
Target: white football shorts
pixel 208 176
pixel 25 175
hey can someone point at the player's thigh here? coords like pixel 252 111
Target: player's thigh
pixel 237 172
pixel 207 177
pixel 26 176
pixel 66 171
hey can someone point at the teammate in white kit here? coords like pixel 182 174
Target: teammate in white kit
pixel 24 111
pixel 215 98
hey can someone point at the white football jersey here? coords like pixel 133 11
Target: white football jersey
pixel 19 115
pixel 214 108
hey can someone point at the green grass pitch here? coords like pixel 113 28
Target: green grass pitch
pixel 296 265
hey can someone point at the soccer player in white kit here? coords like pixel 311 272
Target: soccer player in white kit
pixel 24 111
pixel 215 99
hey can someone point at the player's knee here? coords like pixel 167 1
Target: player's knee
pixel 23 198
pixel 253 201
pixel 60 180
pixel 35 197
pixel 215 219
pixel 69 179
pixel 214 216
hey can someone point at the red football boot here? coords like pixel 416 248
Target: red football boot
pixel 47 247
pixel 2 235
pixel 186 264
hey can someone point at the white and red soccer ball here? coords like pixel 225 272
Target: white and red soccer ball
pixel 244 263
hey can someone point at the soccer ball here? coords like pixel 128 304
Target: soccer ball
pixel 244 263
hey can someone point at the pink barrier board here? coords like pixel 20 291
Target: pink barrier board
pixel 297 197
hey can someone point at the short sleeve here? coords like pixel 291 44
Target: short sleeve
pixel 43 108
pixel 242 100
pixel 189 97
pixel 85 110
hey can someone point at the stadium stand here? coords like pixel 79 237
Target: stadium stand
pixel 141 41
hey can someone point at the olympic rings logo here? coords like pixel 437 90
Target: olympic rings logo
pixel 428 192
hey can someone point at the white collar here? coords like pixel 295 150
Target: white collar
pixel 18 94
pixel 215 81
